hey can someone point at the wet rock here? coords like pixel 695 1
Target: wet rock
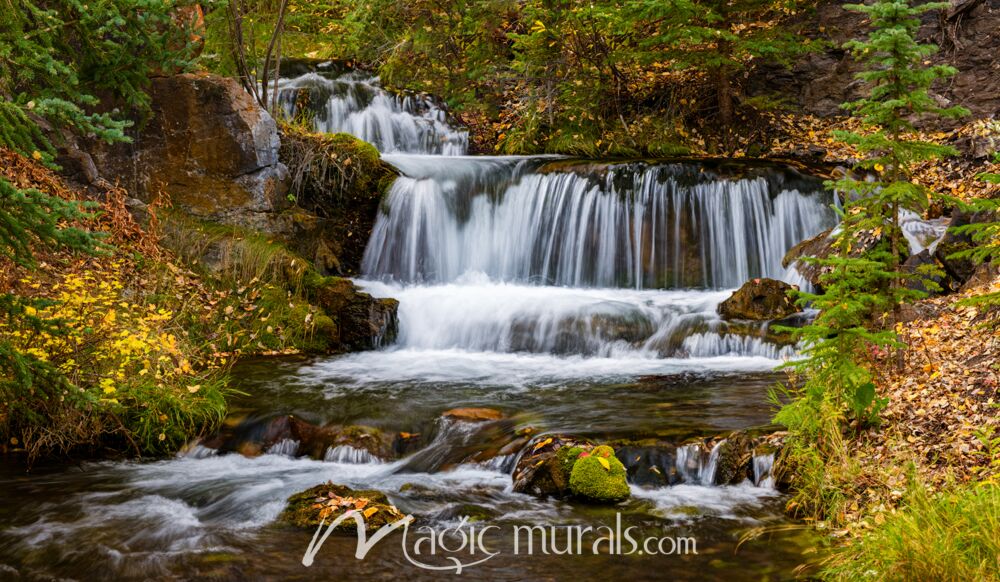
pixel 654 466
pixel 365 322
pixel 315 440
pixel 759 300
pixel 541 472
pixel 959 269
pixel 735 460
pixel 928 273
pixel 406 443
pixel 472 414
pixel 599 477
pixel 821 246
pixel 327 502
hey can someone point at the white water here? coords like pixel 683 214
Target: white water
pixel 626 225
pixel 356 103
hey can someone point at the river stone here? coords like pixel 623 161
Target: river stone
pixel 315 440
pixel 759 300
pixel 473 414
pixel 326 502
pixel 540 471
pixel 735 462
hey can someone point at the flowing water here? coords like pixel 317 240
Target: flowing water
pixel 576 297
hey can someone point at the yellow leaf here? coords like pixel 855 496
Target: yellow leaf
pixel 370 512
pixel 542 444
pixel 36 155
pixel 604 463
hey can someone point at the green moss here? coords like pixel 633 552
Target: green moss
pixel 590 481
pixel 567 457
pixel 331 171
pixel 603 451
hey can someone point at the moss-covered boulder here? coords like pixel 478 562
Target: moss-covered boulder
pixel 326 502
pixel 759 300
pixel 551 467
pixel 542 471
pixel 599 477
pixel 735 462
pixel 365 322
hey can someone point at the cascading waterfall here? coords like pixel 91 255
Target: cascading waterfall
pixel 628 225
pixel 355 103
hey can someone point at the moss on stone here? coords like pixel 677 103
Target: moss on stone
pixel 567 457
pixel 307 509
pixel 591 481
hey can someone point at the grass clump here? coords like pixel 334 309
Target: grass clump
pixel 949 536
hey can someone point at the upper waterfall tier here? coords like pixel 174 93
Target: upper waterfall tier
pixel 355 103
pixel 555 222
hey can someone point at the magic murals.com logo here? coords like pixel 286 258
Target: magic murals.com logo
pixel 467 544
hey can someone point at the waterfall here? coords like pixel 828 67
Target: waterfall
pixel 631 225
pixel 356 103
pixel 349 454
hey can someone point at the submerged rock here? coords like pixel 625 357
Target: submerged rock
pixel 325 503
pixel 473 414
pixel 759 300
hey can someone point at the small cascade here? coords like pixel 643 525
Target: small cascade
pixel 284 447
pixel 713 344
pixel 502 463
pixel 620 225
pixel 762 466
pixel 697 465
pixel 356 103
pixel 349 454
pixel 198 452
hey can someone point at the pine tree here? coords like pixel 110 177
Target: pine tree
pixel 719 38
pixel 985 237
pixel 898 80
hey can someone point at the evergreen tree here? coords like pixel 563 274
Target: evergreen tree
pixel 898 80
pixel 985 237
pixel 718 38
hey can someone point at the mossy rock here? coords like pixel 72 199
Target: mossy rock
pixel 567 457
pixel 325 503
pixel 591 481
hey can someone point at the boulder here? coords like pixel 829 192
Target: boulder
pixel 928 275
pixel 208 146
pixel 325 503
pixel 315 441
pixel 759 300
pixel 958 269
pixel 541 471
pixel 365 322
pixel 735 462
pixel 821 247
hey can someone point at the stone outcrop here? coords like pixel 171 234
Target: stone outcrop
pixel 208 147
pixel 821 247
pixel 759 300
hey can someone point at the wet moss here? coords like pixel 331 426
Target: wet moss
pixel 591 481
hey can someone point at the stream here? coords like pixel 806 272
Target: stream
pixel 573 296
